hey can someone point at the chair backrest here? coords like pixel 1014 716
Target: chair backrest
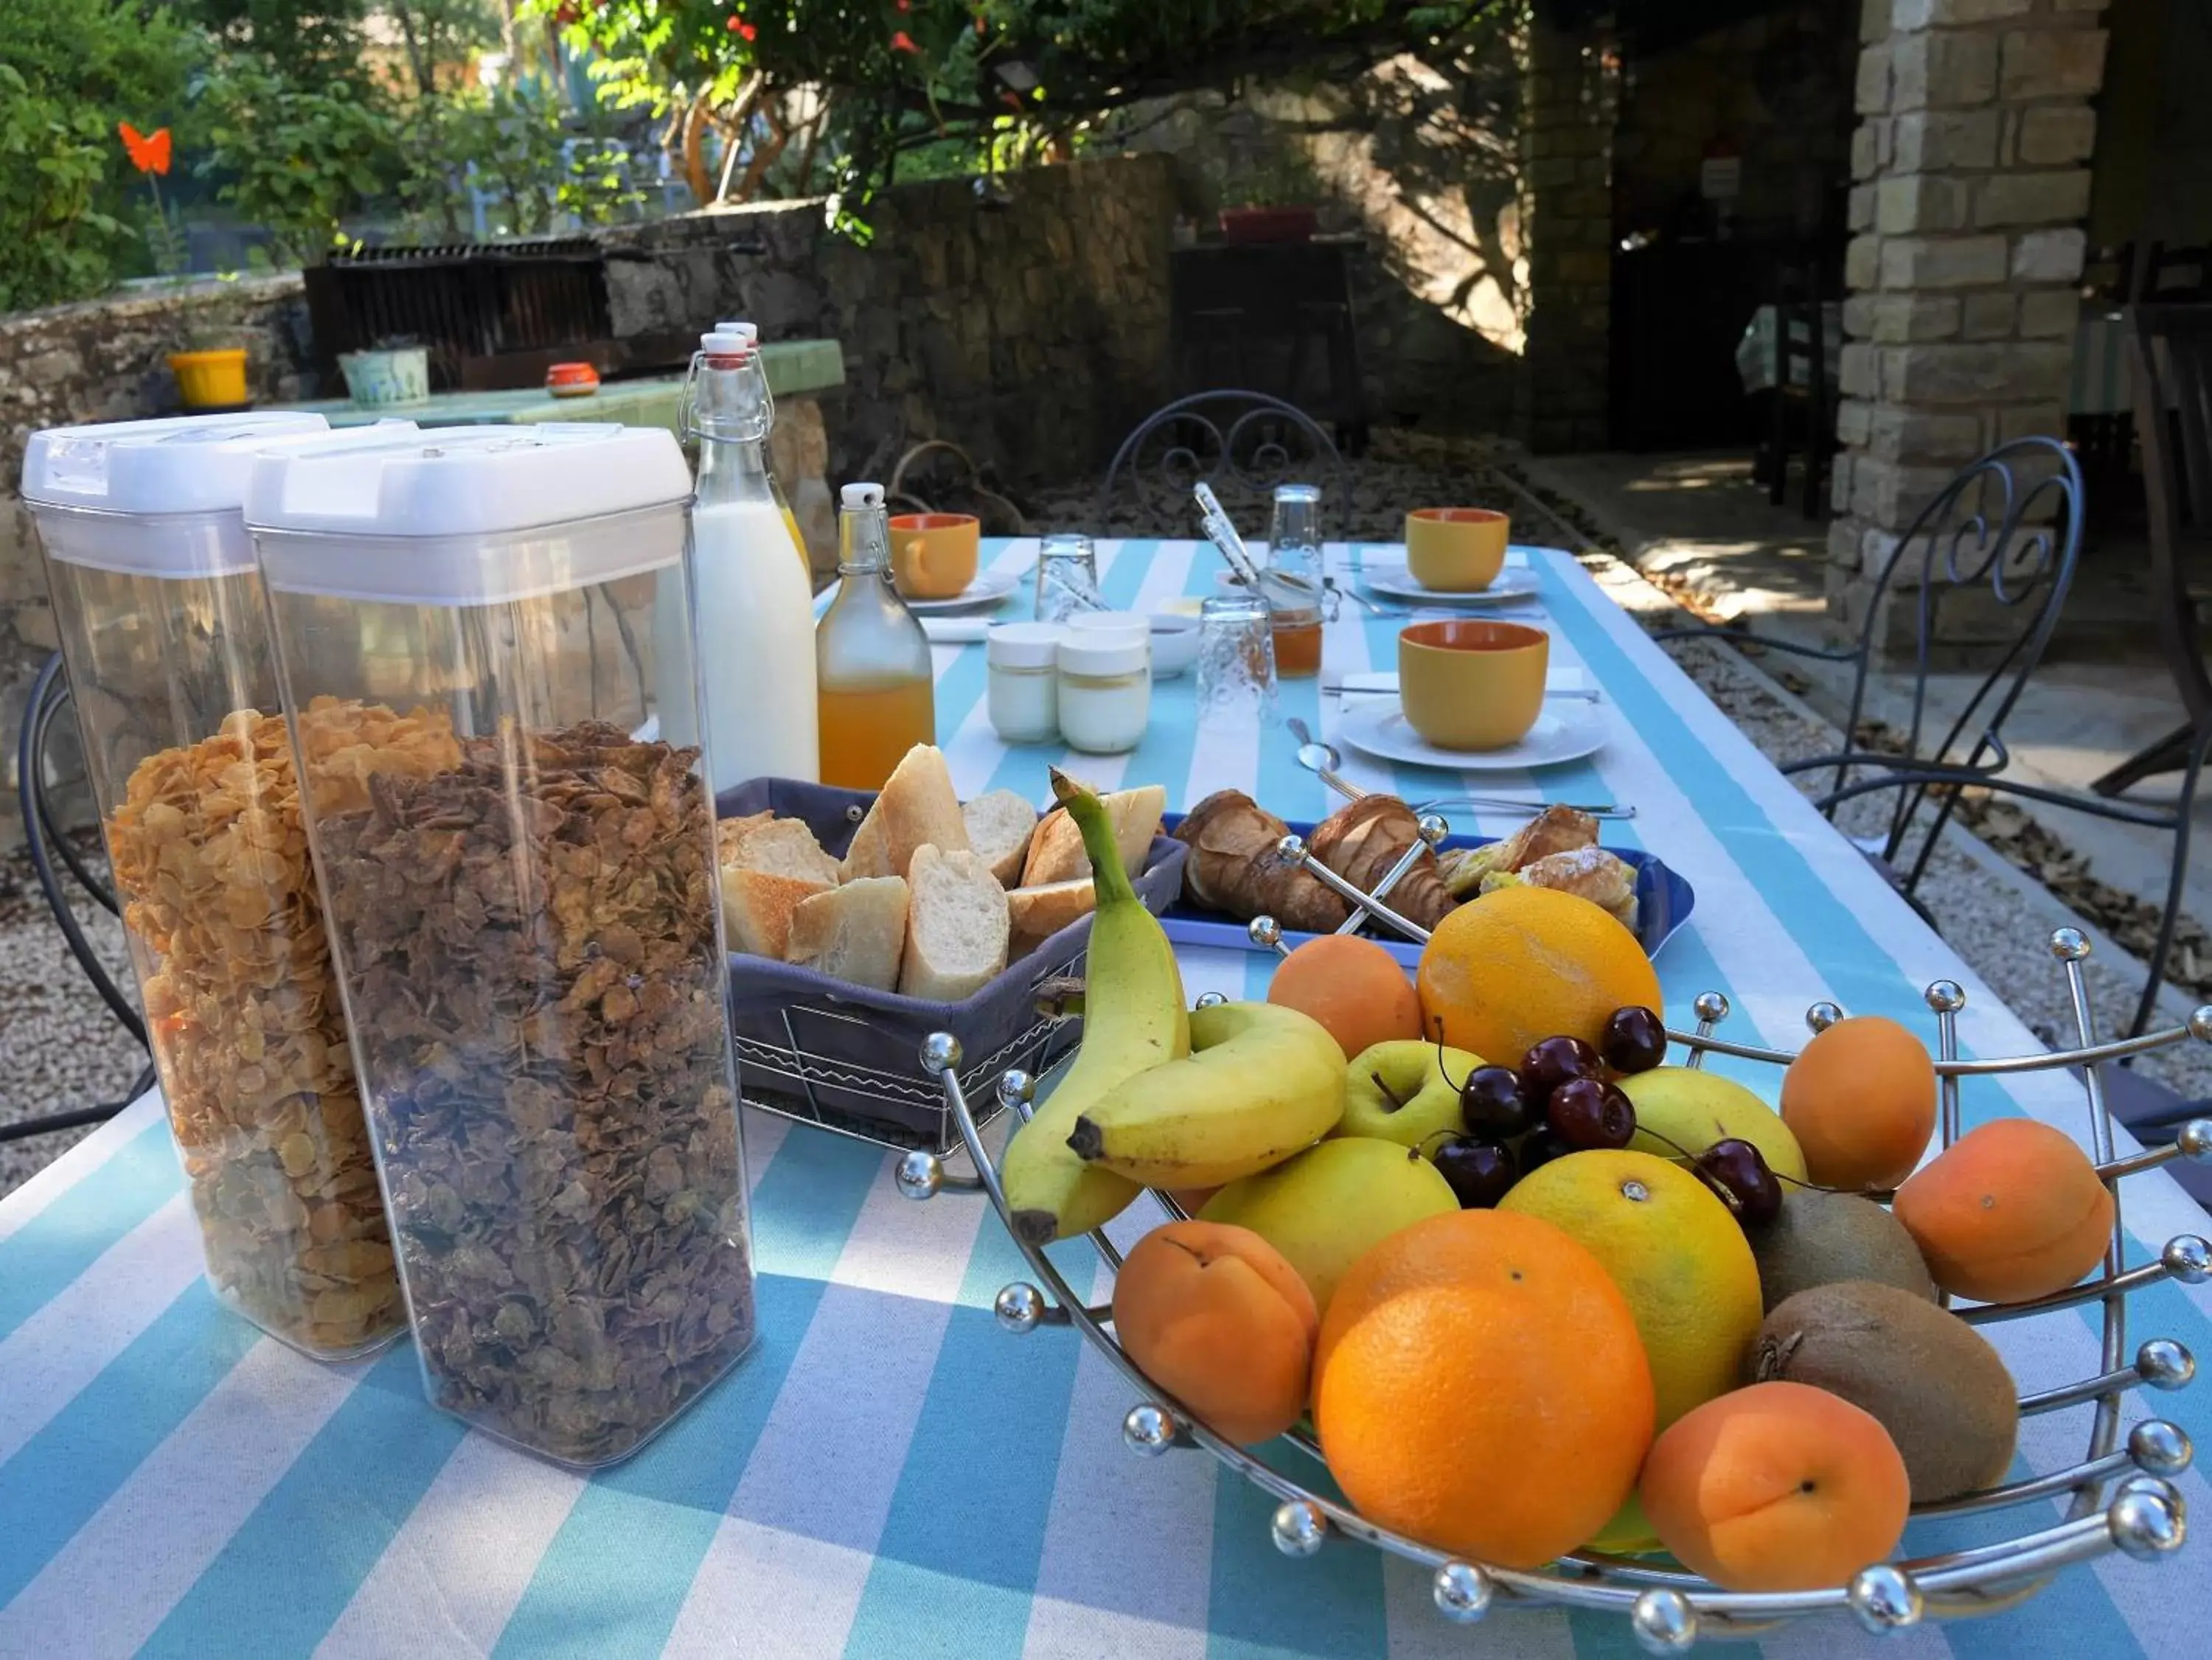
pixel 1243 443
pixel 2170 357
pixel 2004 535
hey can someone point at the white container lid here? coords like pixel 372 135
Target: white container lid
pixel 1109 623
pixel 1023 644
pixel 157 497
pixel 469 515
pixel 1106 654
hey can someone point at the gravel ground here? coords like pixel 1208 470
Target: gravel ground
pixel 59 1047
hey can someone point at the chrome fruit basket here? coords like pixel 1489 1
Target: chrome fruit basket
pixel 2120 1496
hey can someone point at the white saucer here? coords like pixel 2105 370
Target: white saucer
pixel 989 589
pixel 1397 582
pixel 1564 732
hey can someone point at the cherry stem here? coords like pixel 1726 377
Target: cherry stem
pixel 1395 1104
pixel 1441 1068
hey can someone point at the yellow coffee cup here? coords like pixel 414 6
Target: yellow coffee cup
pixel 1455 550
pixel 1472 685
pixel 933 555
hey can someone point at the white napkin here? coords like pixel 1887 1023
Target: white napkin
pixel 957 631
pixel 1562 679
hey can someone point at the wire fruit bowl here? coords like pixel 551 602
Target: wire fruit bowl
pixel 2121 1496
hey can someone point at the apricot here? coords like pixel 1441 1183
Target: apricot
pixel 1860 1100
pixel 2010 1211
pixel 1352 987
pixel 1218 1318
pixel 1779 1487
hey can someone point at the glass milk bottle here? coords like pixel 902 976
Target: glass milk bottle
pixel 754 602
pixel 877 683
pixel 751 333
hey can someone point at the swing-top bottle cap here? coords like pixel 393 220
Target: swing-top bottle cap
pixel 725 340
pixel 854 497
pixel 749 330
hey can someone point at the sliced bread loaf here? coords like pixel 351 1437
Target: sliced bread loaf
pixel 956 928
pixel 757 907
pixel 999 825
pixel 1056 850
pixel 915 805
pixel 783 847
pixel 856 932
pixel 1036 914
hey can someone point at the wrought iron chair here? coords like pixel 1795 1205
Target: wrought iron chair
pixel 2010 526
pixel 46 842
pixel 1243 443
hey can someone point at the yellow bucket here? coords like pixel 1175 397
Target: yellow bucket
pixel 210 380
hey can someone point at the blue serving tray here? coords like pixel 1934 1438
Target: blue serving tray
pixel 1663 903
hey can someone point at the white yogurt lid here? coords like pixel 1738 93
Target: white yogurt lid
pixel 1108 653
pixel 1023 644
pixel 183 464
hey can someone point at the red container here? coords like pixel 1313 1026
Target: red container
pixel 1244 225
pixel 571 380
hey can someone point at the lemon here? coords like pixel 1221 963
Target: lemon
pixel 1681 1260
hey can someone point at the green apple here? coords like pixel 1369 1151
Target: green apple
pixel 1693 1109
pixel 1406 1091
pixel 1324 1209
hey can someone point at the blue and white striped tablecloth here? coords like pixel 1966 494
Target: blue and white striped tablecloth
pixel 888 1474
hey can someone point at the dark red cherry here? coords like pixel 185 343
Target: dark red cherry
pixel 1739 1172
pixel 1539 1148
pixel 1478 1171
pixel 1492 1103
pixel 1633 1040
pixel 1587 1115
pixel 1554 1060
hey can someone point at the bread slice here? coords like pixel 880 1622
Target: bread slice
pixel 915 805
pixel 856 932
pixel 957 925
pixel 999 825
pixel 1038 913
pixel 1056 850
pixel 783 847
pixel 757 907
pixel 730 833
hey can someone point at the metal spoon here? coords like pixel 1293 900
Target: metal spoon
pixel 1322 760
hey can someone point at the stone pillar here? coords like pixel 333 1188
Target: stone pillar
pixel 1569 95
pixel 1970 164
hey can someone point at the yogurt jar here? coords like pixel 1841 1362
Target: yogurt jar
pixel 1022 693
pixel 1105 690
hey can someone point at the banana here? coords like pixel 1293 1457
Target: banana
pixel 1134 1020
pixel 1263 1082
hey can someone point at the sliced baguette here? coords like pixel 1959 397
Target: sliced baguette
pixel 957 925
pixel 1056 850
pixel 1037 914
pixel 783 847
pixel 999 825
pixel 730 833
pixel 917 805
pixel 757 907
pixel 855 933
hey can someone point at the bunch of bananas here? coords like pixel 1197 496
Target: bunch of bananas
pixel 1159 1096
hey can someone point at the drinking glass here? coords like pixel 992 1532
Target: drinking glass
pixel 1235 662
pixel 1293 579
pixel 1067 578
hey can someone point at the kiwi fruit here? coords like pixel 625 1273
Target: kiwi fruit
pixel 1821 1237
pixel 1929 1379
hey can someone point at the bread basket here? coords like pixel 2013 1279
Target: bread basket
pixel 841 1056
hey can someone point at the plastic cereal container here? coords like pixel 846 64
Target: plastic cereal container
pixel 166 637
pixel 527 927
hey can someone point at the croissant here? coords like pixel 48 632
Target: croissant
pixel 1362 839
pixel 1235 868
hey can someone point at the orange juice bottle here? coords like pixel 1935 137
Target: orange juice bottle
pixel 875 684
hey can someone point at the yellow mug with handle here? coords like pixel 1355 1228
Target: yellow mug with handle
pixel 933 555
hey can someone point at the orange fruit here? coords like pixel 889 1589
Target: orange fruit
pixel 1860 1100
pixel 1779 1487
pixel 2011 1211
pixel 1523 964
pixel 1217 1317
pixel 1479 1386
pixel 1354 987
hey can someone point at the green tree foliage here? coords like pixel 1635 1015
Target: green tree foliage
pixel 69 69
pixel 296 157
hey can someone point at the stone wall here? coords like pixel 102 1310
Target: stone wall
pixel 1570 98
pixel 1027 322
pixel 105 359
pixel 1970 159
